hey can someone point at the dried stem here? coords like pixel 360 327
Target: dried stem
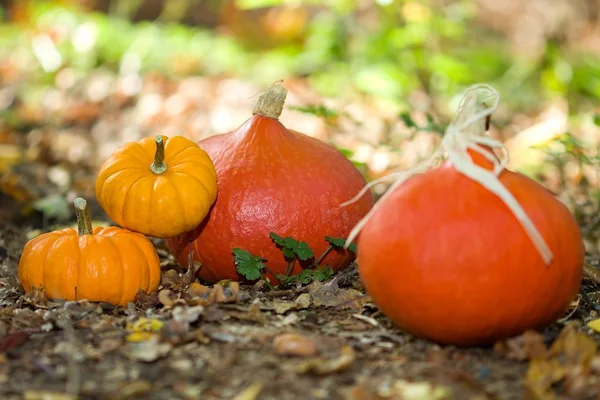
pixel 159 166
pixel 84 222
pixel 270 102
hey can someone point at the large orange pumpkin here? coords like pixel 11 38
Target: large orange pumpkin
pixel 98 264
pixel 159 186
pixel 445 258
pixel 272 179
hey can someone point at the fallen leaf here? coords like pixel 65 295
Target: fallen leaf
pixel 148 350
pixel 197 290
pixel 594 324
pixel 254 314
pixel 167 297
pixel 302 301
pixel 134 389
pixel 36 297
pixel 330 295
pixel 294 345
pixel 13 340
pixel 146 300
pixel 421 390
pixel 568 361
pixel 187 315
pixel 529 345
pixel 45 395
pixel 143 329
pixel 250 393
pixel 324 366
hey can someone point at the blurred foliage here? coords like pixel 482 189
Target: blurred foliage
pixel 385 48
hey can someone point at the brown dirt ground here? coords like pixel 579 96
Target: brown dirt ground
pixel 225 350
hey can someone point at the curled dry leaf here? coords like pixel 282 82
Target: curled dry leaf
pixel 324 366
pixel 331 295
pixel 167 298
pixel 294 345
pixel 36 297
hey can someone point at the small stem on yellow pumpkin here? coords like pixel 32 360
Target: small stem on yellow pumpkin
pixel 270 102
pixel 84 222
pixel 159 166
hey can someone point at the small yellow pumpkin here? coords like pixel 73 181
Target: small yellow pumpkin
pixel 159 187
pixel 98 264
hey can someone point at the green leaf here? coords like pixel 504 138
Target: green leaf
pixel 304 252
pixel 597 119
pixel 352 247
pixel 322 274
pixel 292 248
pixel 277 239
pixel 338 243
pixel 305 277
pixel 248 265
pixel 288 253
pixel 407 119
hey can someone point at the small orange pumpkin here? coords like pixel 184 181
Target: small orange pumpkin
pixel 159 187
pixel 100 264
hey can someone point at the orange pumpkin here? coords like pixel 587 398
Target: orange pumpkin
pixel 273 179
pixel 159 187
pixel 100 264
pixel 445 258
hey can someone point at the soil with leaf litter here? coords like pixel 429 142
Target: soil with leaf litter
pixel 324 340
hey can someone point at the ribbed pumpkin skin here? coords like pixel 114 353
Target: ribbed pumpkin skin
pixel 446 260
pixel 160 205
pixel 272 179
pixel 111 265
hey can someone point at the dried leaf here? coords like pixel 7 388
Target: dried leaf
pixel 167 298
pixel 594 324
pixel 294 345
pixel 13 340
pixel 324 366
pixel 148 350
pixel 568 360
pixel 421 390
pixel 330 295
pixel 250 393
pixel 44 395
pixel 197 290
pixel 146 300
pixel 36 297
pixel 529 345
pixel 254 314
pixel 143 329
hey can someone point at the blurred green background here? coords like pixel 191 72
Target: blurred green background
pixel 80 77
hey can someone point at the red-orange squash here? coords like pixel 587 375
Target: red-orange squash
pixel 445 259
pixel 98 264
pixel 272 179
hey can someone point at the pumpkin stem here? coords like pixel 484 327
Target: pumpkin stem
pixel 159 165
pixel 84 221
pixel 270 102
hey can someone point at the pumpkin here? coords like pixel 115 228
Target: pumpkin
pixel 98 264
pixel 273 179
pixel 159 187
pixel 471 252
